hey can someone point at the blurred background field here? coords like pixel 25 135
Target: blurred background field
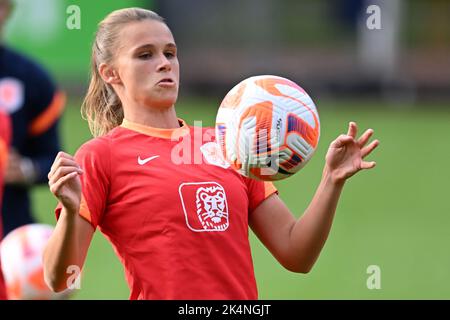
pixel 395 80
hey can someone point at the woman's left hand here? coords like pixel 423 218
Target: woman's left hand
pixel 345 156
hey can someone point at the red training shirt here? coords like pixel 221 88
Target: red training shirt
pixel 174 211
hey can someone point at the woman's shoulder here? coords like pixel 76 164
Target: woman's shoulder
pixel 98 145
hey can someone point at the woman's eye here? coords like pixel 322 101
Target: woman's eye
pixel 170 54
pixel 146 55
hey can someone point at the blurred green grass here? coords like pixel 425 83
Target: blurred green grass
pixel 396 216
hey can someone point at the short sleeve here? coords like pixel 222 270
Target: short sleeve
pixel 258 191
pixel 93 158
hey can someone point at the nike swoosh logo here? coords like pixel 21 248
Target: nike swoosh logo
pixel 144 161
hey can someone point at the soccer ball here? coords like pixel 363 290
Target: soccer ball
pixel 267 127
pixel 21 257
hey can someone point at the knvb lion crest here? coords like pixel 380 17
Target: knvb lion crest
pixel 205 206
pixel 211 206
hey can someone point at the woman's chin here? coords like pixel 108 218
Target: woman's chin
pixel 161 103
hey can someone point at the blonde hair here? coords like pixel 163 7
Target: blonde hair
pixel 102 107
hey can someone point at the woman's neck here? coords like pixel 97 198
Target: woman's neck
pixel 156 118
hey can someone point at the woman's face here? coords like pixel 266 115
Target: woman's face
pixel 147 65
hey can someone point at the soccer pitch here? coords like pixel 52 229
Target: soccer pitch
pixel 396 217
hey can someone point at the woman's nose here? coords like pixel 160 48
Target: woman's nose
pixel 164 64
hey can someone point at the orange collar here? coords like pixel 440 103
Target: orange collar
pixel 173 134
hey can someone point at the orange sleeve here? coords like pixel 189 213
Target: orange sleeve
pixel 49 116
pixel 258 191
pixel 84 212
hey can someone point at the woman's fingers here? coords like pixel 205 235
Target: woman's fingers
pixel 352 129
pixel 341 141
pixel 368 149
pixel 63 154
pixel 60 161
pixel 55 187
pixel 365 137
pixel 368 164
pixel 61 157
pixel 62 172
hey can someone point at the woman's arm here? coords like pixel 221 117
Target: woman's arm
pixel 297 243
pixel 70 240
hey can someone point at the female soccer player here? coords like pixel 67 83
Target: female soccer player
pixel 179 229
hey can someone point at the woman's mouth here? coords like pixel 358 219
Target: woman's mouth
pixel 166 82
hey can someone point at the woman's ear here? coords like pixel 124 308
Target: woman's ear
pixel 108 74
